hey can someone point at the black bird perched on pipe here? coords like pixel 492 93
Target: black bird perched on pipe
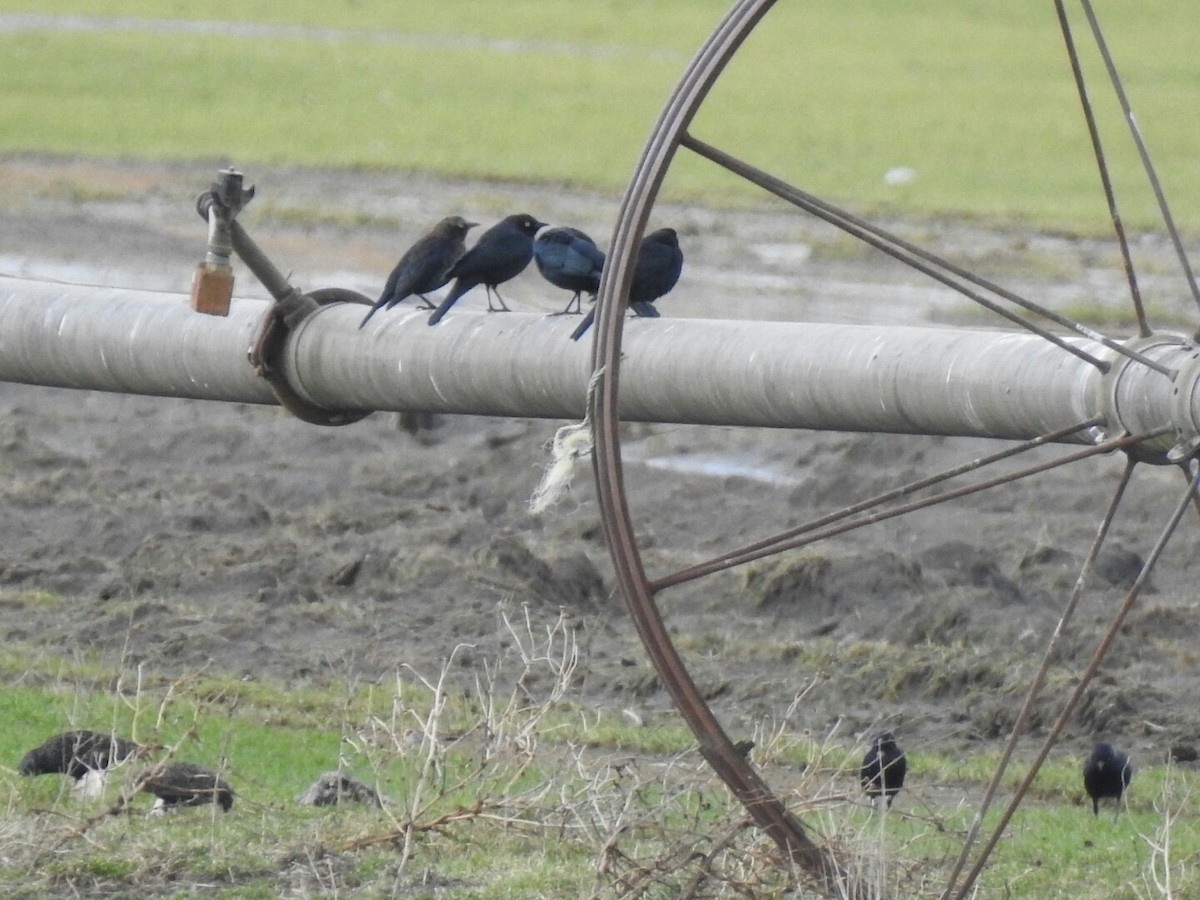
pixel 569 259
pixel 659 263
pixel 178 783
pixel 425 266
pixel 1106 773
pixel 883 768
pixel 502 252
pixel 76 753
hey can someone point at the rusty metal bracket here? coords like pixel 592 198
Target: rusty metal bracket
pixel 266 352
pixel 291 307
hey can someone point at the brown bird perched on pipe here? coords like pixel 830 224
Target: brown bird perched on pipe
pixel 426 265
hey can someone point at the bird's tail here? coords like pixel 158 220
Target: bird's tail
pixel 374 309
pixel 451 298
pixel 583 326
pixel 644 308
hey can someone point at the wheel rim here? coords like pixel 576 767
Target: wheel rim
pixel 640 591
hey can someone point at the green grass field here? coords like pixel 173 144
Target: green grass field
pixel 975 98
pixel 978 102
pixel 563 802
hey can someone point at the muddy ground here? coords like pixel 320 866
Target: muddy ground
pixel 183 534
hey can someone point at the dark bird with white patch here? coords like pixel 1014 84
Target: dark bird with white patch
pixel 179 783
pixel 76 753
pixel 883 768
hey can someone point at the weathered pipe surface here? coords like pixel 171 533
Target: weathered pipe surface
pixel 719 372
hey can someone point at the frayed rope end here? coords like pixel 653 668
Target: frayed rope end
pixel 570 443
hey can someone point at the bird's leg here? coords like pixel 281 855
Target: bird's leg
pixel 426 301
pixel 576 301
pixel 491 290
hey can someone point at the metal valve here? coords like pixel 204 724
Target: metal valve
pixel 212 282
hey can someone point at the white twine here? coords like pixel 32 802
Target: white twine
pixel 569 444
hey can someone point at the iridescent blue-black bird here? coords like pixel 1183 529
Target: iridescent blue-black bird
pixel 569 259
pixel 426 265
pixel 502 252
pixel 883 768
pixel 1106 773
pixel 657 270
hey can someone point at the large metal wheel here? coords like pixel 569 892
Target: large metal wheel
pixel 642 589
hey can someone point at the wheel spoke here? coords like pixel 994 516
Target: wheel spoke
pixel 1143 152
pixel 1098 351
pixel 920 259
pixel 1085 679
pixel 769 544
pixel 1187 476
pixel 1039 678
pixel 840 522
pixel 1098 150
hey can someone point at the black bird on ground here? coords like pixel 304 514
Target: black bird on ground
pixel 883 768
pixel 425 266
pixel 569 259
pixel 178 783
pixel 76 753
pixel 659 263
pixel 502 252
pixel 1106 773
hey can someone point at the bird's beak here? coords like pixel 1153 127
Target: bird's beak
pixel 471 225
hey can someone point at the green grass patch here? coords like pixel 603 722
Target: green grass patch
pixel 26 599
pixel 520 791
pixel 1110 317
pixel 977 102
